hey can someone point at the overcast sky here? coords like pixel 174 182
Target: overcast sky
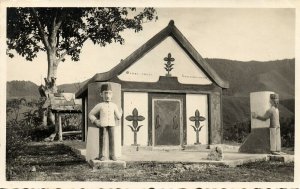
pixel 228 33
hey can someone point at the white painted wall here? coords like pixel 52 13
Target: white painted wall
pixel 139 101
pixel 194 102
pixel 151 66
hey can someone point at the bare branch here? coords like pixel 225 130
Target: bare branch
pixel 41 30
pixel 56 23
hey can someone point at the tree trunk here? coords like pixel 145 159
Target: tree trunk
pixel 52 71
pixel 52 65
pixel 50 88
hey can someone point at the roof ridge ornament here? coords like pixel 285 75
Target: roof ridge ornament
pixel 171 23
pixel 169 66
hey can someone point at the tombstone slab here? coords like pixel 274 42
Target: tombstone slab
pixel 258 141
pixel 97 164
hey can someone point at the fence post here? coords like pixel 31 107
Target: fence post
pixel 60 127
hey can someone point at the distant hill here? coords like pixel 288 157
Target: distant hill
pixel 237 109
pixel 16 89
pixel 246 77
pixel 28 89
pixel 243 78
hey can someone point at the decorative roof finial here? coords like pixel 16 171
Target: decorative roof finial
pixel 171 23
pixel 169 66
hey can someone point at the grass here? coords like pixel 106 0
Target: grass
pixel 55 162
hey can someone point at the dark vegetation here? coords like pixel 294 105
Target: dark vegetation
pixel 24 125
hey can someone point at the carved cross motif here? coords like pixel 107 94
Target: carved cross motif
pixel 197 128
pixel 135 118
pixel 169 65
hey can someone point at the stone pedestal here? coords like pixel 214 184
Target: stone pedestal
pixel 258 140
pixel 107 164
pixel 92 144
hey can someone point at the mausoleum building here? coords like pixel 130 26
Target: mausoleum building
pixel 169 94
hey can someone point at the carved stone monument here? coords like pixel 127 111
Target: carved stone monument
pixel 258 140
pixel 92 143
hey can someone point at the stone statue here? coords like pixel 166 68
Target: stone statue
pixel 103 116
pixel 273 115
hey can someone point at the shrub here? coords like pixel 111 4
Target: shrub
pixel 16 140
pixel 287 130
pixel 28 114
pixel 24 124
pixel 239 131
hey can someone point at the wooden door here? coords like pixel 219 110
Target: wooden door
pixel 167 121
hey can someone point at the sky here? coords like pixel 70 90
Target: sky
pixel 243 34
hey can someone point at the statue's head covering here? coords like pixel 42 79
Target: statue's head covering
pixel 105 87
pixel 274 96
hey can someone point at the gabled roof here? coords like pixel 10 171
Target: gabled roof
pixel 170 30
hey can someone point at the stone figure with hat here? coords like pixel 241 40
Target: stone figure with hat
pixel 103 116
pixel 273 115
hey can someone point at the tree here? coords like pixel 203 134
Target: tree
pixel 61 32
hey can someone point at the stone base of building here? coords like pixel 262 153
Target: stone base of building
pixel 198 147
pixel 97 164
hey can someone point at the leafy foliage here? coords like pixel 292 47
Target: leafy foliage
pixel 64 30
pixel 24 122
pixel 239 131
pixel 287 129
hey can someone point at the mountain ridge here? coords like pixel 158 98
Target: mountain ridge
pixel 243 78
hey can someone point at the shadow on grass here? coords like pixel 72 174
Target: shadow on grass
pixel 48 150
pixel 48 155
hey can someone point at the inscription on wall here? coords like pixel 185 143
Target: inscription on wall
pixel 151 66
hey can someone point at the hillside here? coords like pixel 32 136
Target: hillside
pixel 28 89
pixel 246 77
pixel 243 77
pixel 15 89
pixel 237 109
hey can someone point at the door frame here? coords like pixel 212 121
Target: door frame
pixel 181 98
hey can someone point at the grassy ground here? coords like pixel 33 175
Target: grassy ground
pixel 55 162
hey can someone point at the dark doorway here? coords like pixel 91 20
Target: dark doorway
pixel 167 121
